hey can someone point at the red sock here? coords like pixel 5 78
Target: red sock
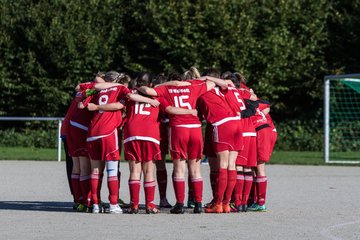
pixel 197 184
pixel 230 186
pixel 221 185
pixel 75 184
pixel 95 188
pixel 149 189
pixel 247 187
pixel 113 186
pixel 85 189
pixel 213 181
pixel 179 189
pixel 191 188
pixel 134 187
pixel 261 183
pixel 161 177
pixel 239 188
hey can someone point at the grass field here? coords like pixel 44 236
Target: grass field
pixel 278 157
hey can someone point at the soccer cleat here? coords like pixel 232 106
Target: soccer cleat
pixel 152 209
pixel 226 208
pixel 214 208
pixel 115 208
pixel 244 208
pixel 253 207
pixel 261 208
pixel 178 209
pixel 205 161
pixel 122 203
pixel 95 208
pixel 81 208
pixel 209 204
pixel 198 207
pixel 190 203
pixel 133 209
pixel 164 203
pixel 75 206
pixel 234 208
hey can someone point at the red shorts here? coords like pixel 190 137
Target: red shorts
pixel 185 143
pixel 139 150
pixel 228 136
pixel 247 157
pixel 273 139
pixel 263 141
pixel 208 143
pixel 105 148
pixel 164 138
pixel 76 141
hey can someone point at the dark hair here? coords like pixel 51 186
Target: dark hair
pixel 160 78
pixel 212 72
pixel 241 78
pixel 143 79
pixel 174 76
pixel 230 76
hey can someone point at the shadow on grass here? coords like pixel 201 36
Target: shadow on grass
pixel 37 206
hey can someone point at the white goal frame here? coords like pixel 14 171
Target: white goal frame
pixel 349 77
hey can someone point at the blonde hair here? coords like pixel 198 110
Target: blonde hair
pixel 192 73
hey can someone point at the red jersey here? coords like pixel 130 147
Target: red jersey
pixel 262 106
pixel 214 106
pixel 73 110
pixel 259 118
pixel 182 97
pixel 143 122
pixel 236 101
pixel 104 123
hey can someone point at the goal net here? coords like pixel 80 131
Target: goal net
pixel 342 118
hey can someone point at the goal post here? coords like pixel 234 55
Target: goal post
pixel 342 118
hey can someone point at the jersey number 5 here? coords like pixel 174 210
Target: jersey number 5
pixel 180 101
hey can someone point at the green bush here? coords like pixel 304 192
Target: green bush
pixel 29 138
pixel 298 135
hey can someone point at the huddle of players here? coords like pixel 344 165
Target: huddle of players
pixel 239 140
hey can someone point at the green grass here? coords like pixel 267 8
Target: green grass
pixel 278 157
pixel 24 153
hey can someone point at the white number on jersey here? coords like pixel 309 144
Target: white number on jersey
pixel 139 108
pixel 240 101
pixel 180 101
pixel 217 91
pixel 103 100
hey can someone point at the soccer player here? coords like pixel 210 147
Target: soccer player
pixel 161 172
pixel 227 139
pixel 185 138
pixel 74 136
pixel 246 158
pixel 141 143
pixel 102 142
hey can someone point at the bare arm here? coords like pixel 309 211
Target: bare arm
pixel 266 111
pixel 180 111
pixel 221 83
pixel 148 91
pixel 104 85
pixel 106 107
pixel 138 98
pixel 174 83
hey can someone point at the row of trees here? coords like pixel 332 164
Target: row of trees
pixel 283 47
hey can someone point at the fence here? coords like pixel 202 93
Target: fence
pixel 40 119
